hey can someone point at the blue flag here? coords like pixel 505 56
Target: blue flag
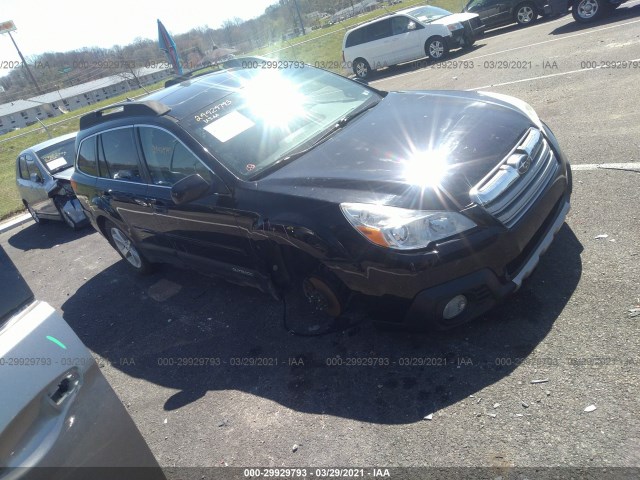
pixel 166 43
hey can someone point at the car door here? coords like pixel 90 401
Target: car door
pixel 410 38
pixel 33 184
pixel 492 12
pixel 121 188
pixel 205 232
pixel 58 410
pixel 378 49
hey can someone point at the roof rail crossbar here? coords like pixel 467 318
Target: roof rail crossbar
pixel 149 107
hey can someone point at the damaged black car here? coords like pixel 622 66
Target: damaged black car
pixel 297 178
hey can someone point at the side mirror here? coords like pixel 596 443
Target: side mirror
pixel 189 189
pixel 35 178
pixel 411 26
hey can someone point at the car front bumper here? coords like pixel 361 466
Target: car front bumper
pixel 482 289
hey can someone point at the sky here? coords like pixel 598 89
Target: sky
pixel 63 25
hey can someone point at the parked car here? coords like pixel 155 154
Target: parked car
pixel 496 13
pixel 585 11
pixel 58 410
pixel 302 179
pixel 42 176
pixel 407 35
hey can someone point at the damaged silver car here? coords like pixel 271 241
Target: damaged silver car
pixel 43 174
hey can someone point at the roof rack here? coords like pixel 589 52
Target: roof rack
pixel 122 110
pixel 237 62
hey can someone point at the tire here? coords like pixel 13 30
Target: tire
pixel 525 14
pixel 436 48
pixel 34 215
pixel 127 249
pixel 361 68
pixel 586 11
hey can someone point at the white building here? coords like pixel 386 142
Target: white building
pixel 22 113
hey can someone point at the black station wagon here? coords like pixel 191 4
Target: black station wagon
pixel 441 202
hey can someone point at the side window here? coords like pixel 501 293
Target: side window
pixel 24 171
pixel 87 157
pixel 379 30
pixel 401 25
pixel 168 160
pixel 119 155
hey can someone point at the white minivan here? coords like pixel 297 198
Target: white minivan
pixel 408 35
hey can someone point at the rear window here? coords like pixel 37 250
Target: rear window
pixel 58 157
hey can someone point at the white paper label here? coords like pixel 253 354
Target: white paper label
pixel 57 163
pixel 229 126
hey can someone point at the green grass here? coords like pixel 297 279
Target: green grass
pixel 13 143
pixel 323 47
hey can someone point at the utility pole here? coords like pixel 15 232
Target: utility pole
pixel 295 2
pixel 8 27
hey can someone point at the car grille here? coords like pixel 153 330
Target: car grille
pixel 508 193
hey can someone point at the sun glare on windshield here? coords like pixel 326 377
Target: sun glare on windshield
pixel 273 98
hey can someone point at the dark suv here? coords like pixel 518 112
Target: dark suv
pixel 297 178
pixel 495 13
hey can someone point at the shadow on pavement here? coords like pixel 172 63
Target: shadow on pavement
pixel 46 236
pixel 195 334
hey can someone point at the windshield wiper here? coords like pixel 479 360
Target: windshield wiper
pixel 340 124
pixel 328 133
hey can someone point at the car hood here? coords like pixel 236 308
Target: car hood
pixel 455 17
pixel 414 149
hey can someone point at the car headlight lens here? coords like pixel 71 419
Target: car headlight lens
pixel 455 26
pixel 401 228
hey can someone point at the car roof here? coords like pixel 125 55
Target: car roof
pixel 51 141
pixel 377 19
pixel 194 94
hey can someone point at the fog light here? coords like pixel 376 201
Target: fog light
pixel 455 307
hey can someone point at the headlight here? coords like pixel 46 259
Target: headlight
pixel 521 105
pixel 455 26
pixel 403 229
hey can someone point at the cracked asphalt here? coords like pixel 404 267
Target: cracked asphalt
pixel 259 390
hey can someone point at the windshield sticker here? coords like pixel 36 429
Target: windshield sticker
pixel 57 163
pixel 229 126
pixel 210 114
pixel 250 167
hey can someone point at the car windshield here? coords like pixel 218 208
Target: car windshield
pixel 58 157
pixel 428 14
pixel 274 114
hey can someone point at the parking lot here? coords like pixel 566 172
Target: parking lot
pixel 508 390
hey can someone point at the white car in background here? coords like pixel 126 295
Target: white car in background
pixel 408 35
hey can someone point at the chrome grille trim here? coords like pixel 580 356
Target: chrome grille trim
pixel 519 181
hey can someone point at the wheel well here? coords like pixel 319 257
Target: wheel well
pixel 101 225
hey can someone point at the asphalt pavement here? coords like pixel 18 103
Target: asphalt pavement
pixel 549 378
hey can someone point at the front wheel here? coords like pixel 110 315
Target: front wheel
pixel 585 11
pixel 525 14
pixel 361 68
pixel 126 248
pixel 436 48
